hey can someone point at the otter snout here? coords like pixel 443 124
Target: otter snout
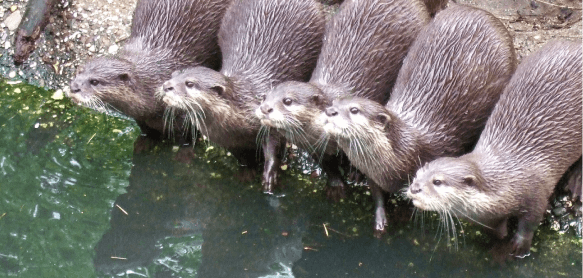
pixel 331 111
pixel 75 87
pixel 415 188
pixel 167 87
pixel 266 109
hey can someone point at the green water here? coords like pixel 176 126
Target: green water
pixel 76 200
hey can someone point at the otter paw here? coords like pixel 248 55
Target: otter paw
pixel 380 222
pixel 520 246
pixel 269 182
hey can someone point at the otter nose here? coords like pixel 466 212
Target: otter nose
pixel 415 188
pixel 331 111
pixel 167 87
pixel 266 109
pixel 75 87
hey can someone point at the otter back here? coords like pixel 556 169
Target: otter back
pixel 452 77
pixel 537 121
pixel 266 42
pixel 364 46
pixel 187 29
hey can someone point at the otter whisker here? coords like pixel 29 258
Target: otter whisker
pixel 321 145
pixel 453 230
pixel 296 129
pixel 265 137
pixel 198 114
pixel 169 121
pixel 261 136
pixel 305 144
pixel 461 228
pixel 476 221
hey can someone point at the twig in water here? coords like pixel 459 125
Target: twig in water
pixel 121 209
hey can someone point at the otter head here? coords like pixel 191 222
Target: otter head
pixel 290 105
pixel 107 80
pixel 198 88
pixel 198 91
pixel 449 185
pixel 356 118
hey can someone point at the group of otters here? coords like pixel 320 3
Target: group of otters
pixel 421 98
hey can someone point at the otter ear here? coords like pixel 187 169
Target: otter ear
pixel 220 90
pixel 124 77
pixel 469 180
pixel 319 100
pixel 384 119
pixel 261 97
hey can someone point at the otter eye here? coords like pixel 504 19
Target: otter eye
pixel 436 182
pixel 189 84
pixel 287 101
pixel 93 82
pixel 354 110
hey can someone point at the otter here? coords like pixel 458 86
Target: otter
pixel 448 85
pixel 263 44
pixel 166 35
pixel 532 137
pixel 364 46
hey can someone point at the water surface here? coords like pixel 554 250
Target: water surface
pixel 82 194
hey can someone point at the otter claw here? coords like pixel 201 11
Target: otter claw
pixel 520 247
pixel 380 222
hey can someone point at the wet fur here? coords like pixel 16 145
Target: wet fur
pixel 263 43
pixel 447 87
pixel 166 35
pixel 364 46
pixel 532 137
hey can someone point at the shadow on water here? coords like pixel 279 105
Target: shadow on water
pixel 77 201
pixel 227 230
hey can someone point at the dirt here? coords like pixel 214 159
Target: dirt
pixel 82 29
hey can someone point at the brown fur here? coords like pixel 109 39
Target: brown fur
pixel 447 87
pixel 251 67
pixel 263 43
pixel 532 137
pixel 364 46
pixel 573 180
pixel 166 35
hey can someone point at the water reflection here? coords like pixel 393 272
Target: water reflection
pixel 235 231
pixel 197 220
pixel 67 173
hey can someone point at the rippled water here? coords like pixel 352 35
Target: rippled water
pixel 82 194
